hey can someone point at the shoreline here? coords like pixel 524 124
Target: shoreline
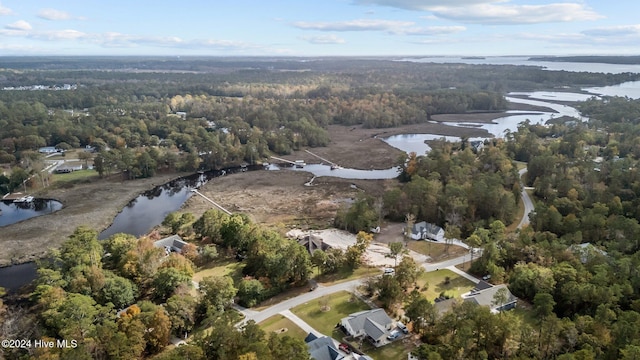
pixel 31 239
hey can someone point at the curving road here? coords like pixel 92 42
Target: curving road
pixel 528 204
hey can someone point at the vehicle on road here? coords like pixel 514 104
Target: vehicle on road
pixel 345 348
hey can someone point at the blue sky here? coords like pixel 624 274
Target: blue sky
pixel 319 27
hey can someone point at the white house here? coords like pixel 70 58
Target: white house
pixel 424 230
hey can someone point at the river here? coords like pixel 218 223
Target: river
pixel 150 208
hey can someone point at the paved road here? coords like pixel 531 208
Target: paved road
pixel 298 300
pixel 528 204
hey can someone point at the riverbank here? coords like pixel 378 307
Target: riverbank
pixel 280 197
pixel 94 204
pixel 357 147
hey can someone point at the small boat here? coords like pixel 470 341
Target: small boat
pixel 300 163
pixel 335 167
pixel 24 199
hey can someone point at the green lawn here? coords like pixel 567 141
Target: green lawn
pixel 340 305
pixel 436 279
pixel 75 175
pixel 346 274
pixel 221 267
pixel 395 350
pixel 436 250
pixel 279 322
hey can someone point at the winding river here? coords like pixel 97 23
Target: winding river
pixel 149 209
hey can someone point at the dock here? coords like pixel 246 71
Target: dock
pixel 213 202
pixel 297 163
pixel 333 165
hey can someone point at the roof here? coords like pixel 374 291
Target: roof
pixel 312 243
pixel 323 348
pixel 482 285
pixel 426 227
pixel 371 321
pixel 486 297
pixel 173 241
pixel 444 306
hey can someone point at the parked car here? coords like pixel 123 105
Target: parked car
pixel 394 335
pixel 345 348
pixel 402 327
pixel 389 271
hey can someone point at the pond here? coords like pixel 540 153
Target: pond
pixel 11 212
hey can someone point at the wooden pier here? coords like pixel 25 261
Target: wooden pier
pixel 333 165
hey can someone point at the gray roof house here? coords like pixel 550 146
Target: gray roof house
pixel 312 243
pixel 173 243
pixel 322 348
pixel 586 251
pixel 487 297
pixel 424 230
pixel 374 324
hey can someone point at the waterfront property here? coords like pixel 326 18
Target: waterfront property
pixel 173 243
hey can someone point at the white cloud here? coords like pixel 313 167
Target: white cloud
pixel 494 11
pixel 422 4
pixel 354 25
pixel 19 25
pixel 56 15
pixel 517 14
pixel 621 30
pixel 324 39
pixel 433 30
pixel 5 10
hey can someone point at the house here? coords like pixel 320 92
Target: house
pixel 424 230
pixel 444 306
pixel 373 324
pixel 173 243
pixel 476 145
pixel 48 150
pixel 586 251
pixel 312 243
pixel 487 297
pixel 322 348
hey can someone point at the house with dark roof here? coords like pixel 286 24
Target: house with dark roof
pixel 322 348
pixel 487 297
pixel 173 243
pixel 424 230
pixel 374 324
pixel 313 242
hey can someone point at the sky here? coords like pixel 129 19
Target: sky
pixel 319 27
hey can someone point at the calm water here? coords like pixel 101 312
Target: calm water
pixel 11 212
pixel 629 89
pixel 325 170
pixel 524 60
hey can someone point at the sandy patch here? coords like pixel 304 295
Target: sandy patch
pixel 376 254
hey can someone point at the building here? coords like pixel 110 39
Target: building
pixel 322 348
pixel 424 230
pixel 374 325
pixel 173 243
pixel 486 296
pixel 48 150
pixel 586 252
pixel 312 243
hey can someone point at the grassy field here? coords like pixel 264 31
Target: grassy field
pixel 279 322
pixel 75 176
pixel 346 274
pixel 221 267
pixel 436 250
pixel 436 279
pixel 339 305
pixel 396 350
